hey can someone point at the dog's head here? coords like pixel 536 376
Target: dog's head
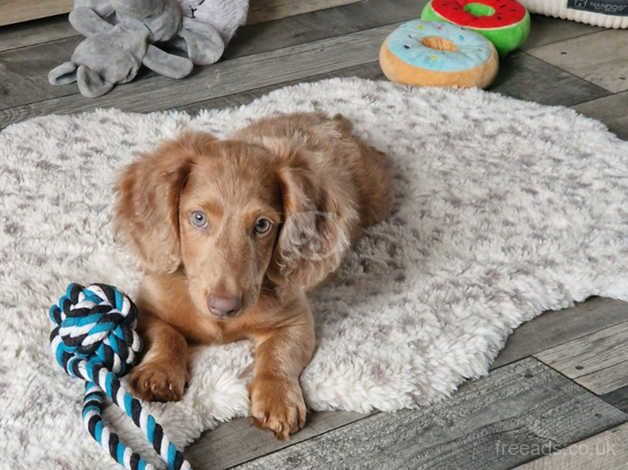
pixel 236 218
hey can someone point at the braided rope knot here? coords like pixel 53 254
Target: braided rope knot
pixel 94 338
pixel 95 324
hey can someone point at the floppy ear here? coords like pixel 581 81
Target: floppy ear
pixel 63 74
pixel 316 232
pixel 146 216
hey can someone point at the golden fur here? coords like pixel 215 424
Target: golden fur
pixel 197 212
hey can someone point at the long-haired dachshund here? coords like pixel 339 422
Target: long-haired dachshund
pixel 232 234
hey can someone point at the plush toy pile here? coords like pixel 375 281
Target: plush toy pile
pixel 455 43
pixel 167 36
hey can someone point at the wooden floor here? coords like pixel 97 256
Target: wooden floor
pixel 562 380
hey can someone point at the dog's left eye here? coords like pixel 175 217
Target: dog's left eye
pixel 198 219
pixel 262 226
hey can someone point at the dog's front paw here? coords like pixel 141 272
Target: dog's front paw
pixel 277 404
pixel 159 381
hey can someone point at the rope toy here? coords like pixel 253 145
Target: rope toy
pixel 94 339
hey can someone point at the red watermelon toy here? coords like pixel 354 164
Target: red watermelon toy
pixel 506 23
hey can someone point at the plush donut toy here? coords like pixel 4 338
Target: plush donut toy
pixel 506 23
pixel 438 54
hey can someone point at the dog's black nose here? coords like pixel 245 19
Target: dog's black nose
pixel 224 306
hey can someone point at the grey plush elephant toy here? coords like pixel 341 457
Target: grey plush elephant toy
pixel 121 36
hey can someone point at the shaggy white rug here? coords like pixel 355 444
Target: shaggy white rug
pixel 503 209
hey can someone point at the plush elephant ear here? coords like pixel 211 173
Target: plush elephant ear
pixel 90 83
pixel 168 65
pixel 63 74
pixel 203 43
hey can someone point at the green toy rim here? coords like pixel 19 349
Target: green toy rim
pixel 480 13
pixel 525 19
pixel 505 38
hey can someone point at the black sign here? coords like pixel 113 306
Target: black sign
pixel 604 7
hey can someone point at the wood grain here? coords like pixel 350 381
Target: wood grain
pixel 618 398
pixel 607 450
pixel 606 379
pixel 546 30
pixel 35 32
pixel 321 24
pixel 529 78
pixel 554 328
pixel 370 71
pixel 598 361
pixel 14 11
pixel 24 73
pixel 485 425
pixel 601 58
pixel 266 10
pixel 239 441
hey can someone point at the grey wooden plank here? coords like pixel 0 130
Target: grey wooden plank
pixel 321 24
pixel 266 10
pixel 598 361
pixel 618 398
pixel 239 441
pixel 14 11
pixel 35 32
pixel 526 77
pixel 24 72
pixel 611 110
pixel 283 65
pixel 546 30
pixel 606 379
pixel 554 328
pixel 601 58
pixel 485 425
pixel 369 71
pixel 607 450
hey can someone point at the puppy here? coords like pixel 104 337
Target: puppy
pixel 232 234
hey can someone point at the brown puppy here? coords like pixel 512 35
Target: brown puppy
pixel 232 234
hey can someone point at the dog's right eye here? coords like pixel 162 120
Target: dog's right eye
pixel 198 219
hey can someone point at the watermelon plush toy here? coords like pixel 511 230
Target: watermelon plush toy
pixel 506 23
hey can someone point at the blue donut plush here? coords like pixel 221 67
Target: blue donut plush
pixel 428 53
